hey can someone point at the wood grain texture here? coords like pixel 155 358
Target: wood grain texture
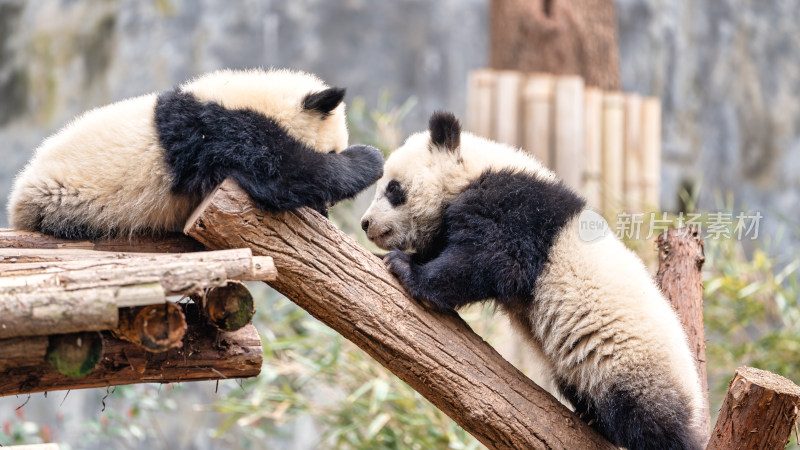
pixel 680 277
pixel 207 354
pixel 65 296
pixel 349 289
pixel 759 412
pixel 167 243
pixel 239 264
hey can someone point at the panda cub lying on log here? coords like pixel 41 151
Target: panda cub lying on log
pixel 140 166
pixel 482 221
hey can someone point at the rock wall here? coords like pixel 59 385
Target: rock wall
pixel 728 74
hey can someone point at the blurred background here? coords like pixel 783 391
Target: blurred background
pixel 727 73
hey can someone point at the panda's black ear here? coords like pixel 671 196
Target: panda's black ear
pixel 324 101
pixel 445 130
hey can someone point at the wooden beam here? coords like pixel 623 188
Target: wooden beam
pixel 759 412
pixel 346 287
pixel 38 298
pixel 167 243
pixel 207 354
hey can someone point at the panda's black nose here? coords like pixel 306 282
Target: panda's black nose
pixel 365 224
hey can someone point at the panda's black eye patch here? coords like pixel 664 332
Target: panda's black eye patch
pixel 395 193
pixel 332 152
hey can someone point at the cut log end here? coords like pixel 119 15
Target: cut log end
pixel 156 328
pixel 75 354
pixel 759 411
pixel 228 307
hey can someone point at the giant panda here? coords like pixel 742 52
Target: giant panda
pixel 470 220
pixel 140 166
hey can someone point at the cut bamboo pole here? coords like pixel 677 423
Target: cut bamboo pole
pixel 651 153
pixel 508 105
pixel 633 163
pixel 568 134
pixel 593 146
pixel 613 132
pixel 481 103
pixel 538 117
pixel 759 412
pixel 167 243
pixel 207 354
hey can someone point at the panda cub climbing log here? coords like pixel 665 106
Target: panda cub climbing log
pixel 140 166
pixel 481 221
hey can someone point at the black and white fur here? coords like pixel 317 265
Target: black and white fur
pixel 481 220
pixel 142 165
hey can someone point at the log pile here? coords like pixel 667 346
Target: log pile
pixel 75 316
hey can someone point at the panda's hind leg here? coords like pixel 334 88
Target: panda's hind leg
pixel 640 419
pixel 52 208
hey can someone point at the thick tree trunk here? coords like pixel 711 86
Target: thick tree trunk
pixel 562 37
pixel 759 412
pixel 207 354
pixel 349 289
pixel 680 276
pixel 39 298
pixel 168 243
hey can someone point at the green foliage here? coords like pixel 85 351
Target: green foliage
pixel 379 127
pixel 310 371
pixel 752 314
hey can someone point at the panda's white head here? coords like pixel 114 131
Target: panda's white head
pixel 424 176
pixel 301 103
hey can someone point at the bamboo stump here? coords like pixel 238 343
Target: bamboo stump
pixel 759 412
pixel 340 283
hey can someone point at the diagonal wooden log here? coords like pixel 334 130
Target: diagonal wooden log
pixel 206 354
pixel 343 285
pixel 680 277
pixel 759 412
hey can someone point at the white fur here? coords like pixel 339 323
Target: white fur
pixel 599 291
pixel 107 167
pixel 433 179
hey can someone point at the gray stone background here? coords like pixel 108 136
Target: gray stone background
pixel 727 72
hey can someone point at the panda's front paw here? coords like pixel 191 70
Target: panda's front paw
pixel 399 265
pixel 367 159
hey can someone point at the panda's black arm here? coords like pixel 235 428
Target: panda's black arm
pixel 205 143
pixel 308 178
pixel 448 281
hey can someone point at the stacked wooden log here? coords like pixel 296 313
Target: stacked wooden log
pixel 73 315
